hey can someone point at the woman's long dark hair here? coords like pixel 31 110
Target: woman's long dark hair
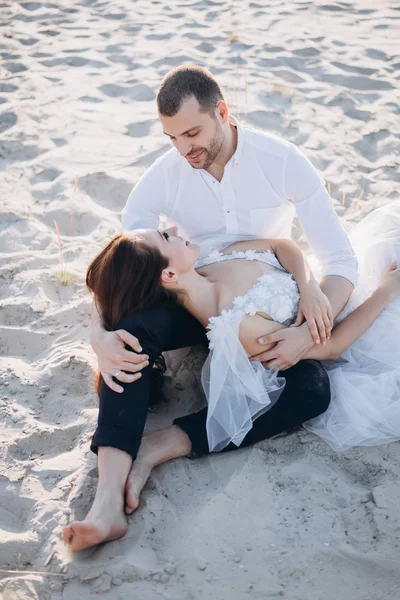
pixel 125 277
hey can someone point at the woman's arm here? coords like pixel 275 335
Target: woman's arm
pixel 287 252
pixel 292 259
pixel 251 327
pixel 344 334
pixel 357 322
pixel 314 306
pixel 352 327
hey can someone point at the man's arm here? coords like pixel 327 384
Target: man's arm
pixel 147 200
pixel 338 290
pixel 112 355
pixel 295 343
pixel 320 224
pixel 143 208
pixel 318 219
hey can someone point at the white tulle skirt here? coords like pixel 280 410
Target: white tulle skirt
pixel 365 382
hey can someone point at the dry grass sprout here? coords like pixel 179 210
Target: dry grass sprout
pixel 62 275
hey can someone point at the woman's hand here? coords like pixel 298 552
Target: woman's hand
pixel 114 360
pixel 390 281
pixel 316 309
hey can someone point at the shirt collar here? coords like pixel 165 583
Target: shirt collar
pixel 240 140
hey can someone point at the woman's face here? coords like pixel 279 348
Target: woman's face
pixel 181 254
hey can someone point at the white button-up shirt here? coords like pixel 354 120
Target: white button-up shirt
pixel 266 182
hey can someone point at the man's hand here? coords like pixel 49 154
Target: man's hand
pixel 291 345
pixel 316 309
pixel 114 358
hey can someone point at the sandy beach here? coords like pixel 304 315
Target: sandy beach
pixel 288 518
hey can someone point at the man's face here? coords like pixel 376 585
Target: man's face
pixel 197 136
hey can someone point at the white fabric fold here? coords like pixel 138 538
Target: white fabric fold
pixel 365 386
pixel 237 390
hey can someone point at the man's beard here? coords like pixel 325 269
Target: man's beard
pixel 214 148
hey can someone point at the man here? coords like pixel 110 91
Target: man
pixel 225 181
pixel 220 181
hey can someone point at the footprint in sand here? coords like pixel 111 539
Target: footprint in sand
pixel 356 83
pixel 205 47
pixel 266 120
pixel 72 223
pixel 31 6
pixel 46 442
pixel 28 41
pixel 90 100
pixel 15 507
pixel 14 310
pixel 140 129
pixel 106 190
pixel 139 92
pixel 15 67
pixel 19 343
pixel 49 174
pixel 7 88
pixel 7 120
pixel 369 146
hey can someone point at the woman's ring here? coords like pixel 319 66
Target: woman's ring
pixel 117 373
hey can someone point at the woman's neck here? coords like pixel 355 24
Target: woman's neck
pixel 201 296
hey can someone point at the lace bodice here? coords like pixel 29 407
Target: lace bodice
pixel 274 293
pixel 238 390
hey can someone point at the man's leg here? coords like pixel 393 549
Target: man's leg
pixel 122 416
pixel 121 422
pixel 306 395
pixel 106 520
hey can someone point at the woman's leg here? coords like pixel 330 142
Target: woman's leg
pixel 306 395
pixel 122 418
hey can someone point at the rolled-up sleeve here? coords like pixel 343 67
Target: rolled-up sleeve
pixel 146 202
pixel 317 216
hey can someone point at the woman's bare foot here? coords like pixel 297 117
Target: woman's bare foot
pixel 105 522
pixel 155 449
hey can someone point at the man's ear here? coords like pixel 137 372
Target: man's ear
pixel 169 276
pixel 222 111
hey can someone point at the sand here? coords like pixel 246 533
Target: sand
pixel 78 126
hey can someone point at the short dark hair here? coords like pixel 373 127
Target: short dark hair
pixel 183 82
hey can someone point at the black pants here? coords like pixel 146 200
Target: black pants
pixel 122 416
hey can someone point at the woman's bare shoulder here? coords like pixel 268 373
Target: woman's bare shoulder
pixel 257 245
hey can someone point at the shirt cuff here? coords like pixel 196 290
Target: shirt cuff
pixel 345 271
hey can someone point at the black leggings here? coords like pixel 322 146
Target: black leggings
pixel 122 416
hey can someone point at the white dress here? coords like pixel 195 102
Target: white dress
pixel 365 381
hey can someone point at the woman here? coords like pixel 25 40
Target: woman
pixel 239 295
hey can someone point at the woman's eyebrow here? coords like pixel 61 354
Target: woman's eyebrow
pixel 161 235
